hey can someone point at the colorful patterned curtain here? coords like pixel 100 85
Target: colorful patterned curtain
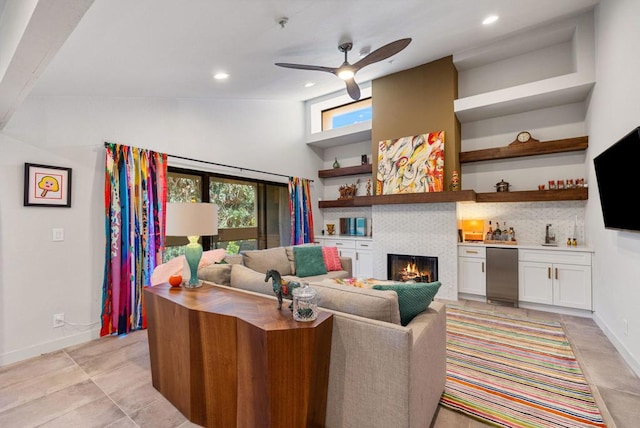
pixel 301 212
pixel 135 195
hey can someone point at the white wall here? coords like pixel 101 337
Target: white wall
pixel 614 110
pixel 39 277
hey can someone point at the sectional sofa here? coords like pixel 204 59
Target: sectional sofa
pixel 382 374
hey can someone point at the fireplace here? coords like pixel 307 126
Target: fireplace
pixel 405 268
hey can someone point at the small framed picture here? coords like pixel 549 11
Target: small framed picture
pixel 47 186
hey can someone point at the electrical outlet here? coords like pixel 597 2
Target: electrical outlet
pixel 58 320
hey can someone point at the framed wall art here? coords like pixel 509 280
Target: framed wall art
pixel 411 164
pixel 47 186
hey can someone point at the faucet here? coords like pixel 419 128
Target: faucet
pixel 549 238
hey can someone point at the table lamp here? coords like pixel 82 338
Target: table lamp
pixel 192 220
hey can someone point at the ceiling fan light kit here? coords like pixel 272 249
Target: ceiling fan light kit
pixel 348 71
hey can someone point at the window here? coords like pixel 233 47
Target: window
pixel 348 114
pixel 252 214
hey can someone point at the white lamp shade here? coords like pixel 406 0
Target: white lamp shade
pixel 191 219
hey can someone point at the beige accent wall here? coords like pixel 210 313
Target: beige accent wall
pixel 418 101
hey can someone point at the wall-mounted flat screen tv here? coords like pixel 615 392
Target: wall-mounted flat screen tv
pixel 617 172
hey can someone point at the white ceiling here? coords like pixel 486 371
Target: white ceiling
pixel 171 48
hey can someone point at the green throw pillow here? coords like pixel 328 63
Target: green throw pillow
pixel 412 298
pixel 309 260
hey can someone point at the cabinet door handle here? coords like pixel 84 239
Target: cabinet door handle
pixel 357 256
pixel 556 273
pixel 482 267
pixel 549 272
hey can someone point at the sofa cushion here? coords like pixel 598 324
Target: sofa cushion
pixel 216 273
pixel 291 257
pixel 331 258
pixel 263 260
pixel 412 298
pixel 379 305
pixel 309 261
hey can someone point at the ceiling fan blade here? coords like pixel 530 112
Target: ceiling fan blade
pixel 306 67
pixel 383 53
pixel 353 89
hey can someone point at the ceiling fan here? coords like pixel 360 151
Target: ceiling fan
pixel 348 71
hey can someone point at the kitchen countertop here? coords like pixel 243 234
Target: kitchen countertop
pixel 559 247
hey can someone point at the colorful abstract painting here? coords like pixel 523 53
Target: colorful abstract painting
pixel 411 164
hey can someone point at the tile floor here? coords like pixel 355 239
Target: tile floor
pixel 107 383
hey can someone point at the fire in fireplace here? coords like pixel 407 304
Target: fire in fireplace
pixel 405 268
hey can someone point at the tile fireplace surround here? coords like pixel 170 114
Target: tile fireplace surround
pixel 431 229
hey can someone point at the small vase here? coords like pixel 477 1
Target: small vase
pixel 336 164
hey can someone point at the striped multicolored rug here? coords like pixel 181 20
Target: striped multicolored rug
pixel 514 372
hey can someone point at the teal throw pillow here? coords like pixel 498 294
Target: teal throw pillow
pixel 309 260
pixel 412 298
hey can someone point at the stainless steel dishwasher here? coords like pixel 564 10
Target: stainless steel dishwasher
pixel 502 276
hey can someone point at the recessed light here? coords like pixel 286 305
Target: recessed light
pixel 309 84
pixel 220 76
pixel 490 19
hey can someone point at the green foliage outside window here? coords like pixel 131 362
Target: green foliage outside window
pixel 236 204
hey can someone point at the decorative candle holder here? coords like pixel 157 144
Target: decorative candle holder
pixel 305 303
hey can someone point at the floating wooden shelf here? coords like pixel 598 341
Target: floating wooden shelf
pixel 577 194
pixel 404 198
pixel 338 203
pixel 417 198
pixel 526 149
pixel 347 170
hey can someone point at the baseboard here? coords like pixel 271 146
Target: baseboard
pixel 43 348
pixel 626 355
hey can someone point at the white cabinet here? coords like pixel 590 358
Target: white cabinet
pixel 364 259
pixel 559 278
pixel 471 270
pixel 360 250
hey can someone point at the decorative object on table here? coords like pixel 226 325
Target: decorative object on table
pixel 540 186
pixel 552 185
pixel 368 187
pixel 524 137
pixel 411 164
pixel 455 181
pixel 560 184
pixel 175 280
pixel 502 367
pixel 192 220
pixel 336 164
pixel 47 186
pixel 348 191
pixel 281 287
pixel 331 228
pixel 305 303
pixel 364 160
pixel 502 186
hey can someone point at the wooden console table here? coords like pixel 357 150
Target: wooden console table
pixel 229 359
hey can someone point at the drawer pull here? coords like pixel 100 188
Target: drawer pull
pixel 338 243
pixel 364 245
pixel 472 252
